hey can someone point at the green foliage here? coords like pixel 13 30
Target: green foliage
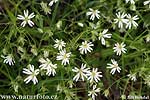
pixel 64 22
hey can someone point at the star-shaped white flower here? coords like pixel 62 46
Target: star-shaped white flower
pixel 52 2
pixel 132 77
pixel 103 35
pixel 148 38
pixel 120 48
pixel 131 21
pixel 114 66
pixel 26 18
pixel 59 44
pixel 64 56
pixel 46 53
pixel 94 75
pixel 94 26
pixel 85 47
pixel 8 59
pixel 131 1
pixel 147 3
pixel 120 19
pixel 80 24
pixel 47 65
pixel 81 72
pixel 45 8
pixel 93 92
pixel 32 74
pixel 93 14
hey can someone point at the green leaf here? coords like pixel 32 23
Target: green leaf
pixel 11 16
pixel 146 19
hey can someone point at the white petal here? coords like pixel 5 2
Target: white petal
pixel 31 15
pixel 20 17
pixel 30 23
pixel 23 23
pixel 103 41
pixel 26 13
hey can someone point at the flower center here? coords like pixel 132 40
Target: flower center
pixel 130 19
pixel 93 92
pixel 65 56
pixel 85 45
pixel 120 47
pixel 48 63
pixel 33 74
pixel 115 65
pixel 120 19
pixel 26 19
pixel 80 71
pixel 59 43
pixel 93 73
pixel 100 35
pixel 9 58
pixel 94 12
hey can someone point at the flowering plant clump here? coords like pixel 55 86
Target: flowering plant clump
pixel 75 49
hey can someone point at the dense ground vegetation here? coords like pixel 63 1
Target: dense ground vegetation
pixel 75 49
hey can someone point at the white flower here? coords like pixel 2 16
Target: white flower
pixel 93 13
pixel 52 2
pixel 8 59
pixel 62 55
pixel 45 8
pixel 131 21
pixel 94 26
pixel 119 48
pixel 59 44
pixel 46 53
pixel 47 64
pixel 114 66
pixel 59 24
pixel 94 75
pixel 15 86
pixel 86 46
pixel 103 35
pixel 80 24
pixel 147 80
pixel 32 74
pixel 132 77
pixel 131 1
pixel 70 83
pixel 120 19
pixel 26 18
pixel 81 73
pixel 148 38
pixel 93 92
pixel 147 3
